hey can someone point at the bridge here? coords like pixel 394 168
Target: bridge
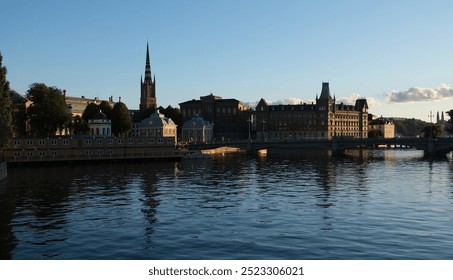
pixel 430 146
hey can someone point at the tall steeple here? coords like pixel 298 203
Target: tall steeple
pixel 148 65
pixel 148 87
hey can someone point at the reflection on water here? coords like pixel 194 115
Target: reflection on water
pixel 384 204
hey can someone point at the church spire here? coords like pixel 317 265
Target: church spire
pixel 148 66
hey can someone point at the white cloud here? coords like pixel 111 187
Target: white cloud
pixel 415 94
pixel 284 101
pixel 288 101
pixel 372 102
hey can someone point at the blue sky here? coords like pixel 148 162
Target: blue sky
pixel 398 54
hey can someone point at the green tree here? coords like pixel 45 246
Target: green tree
pixel 173 113
pixel 48 112
pixel 19 123
pixel 80 126
pixel 431 131
pixel 105 108
pixel 409 127
pixel 5 108
pixel 90 110
pixel 121 120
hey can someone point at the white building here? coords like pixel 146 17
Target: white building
pixel 197 130
pixel 157 125
pixel 100 125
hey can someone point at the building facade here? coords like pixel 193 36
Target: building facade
pixel 77 105
pixel 148 87
pixel 321 120
pixel 381 127
pixel 230 117
pixel 100 125
pixel 84 148
pixel 157 125
pixel 197 130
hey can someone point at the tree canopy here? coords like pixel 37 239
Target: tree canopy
pixel 409 127
pixel 431 131
pixel 48 112
pixel 121 119
pixel 5 107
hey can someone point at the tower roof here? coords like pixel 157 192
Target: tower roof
pixel 148 65
pixel 325 92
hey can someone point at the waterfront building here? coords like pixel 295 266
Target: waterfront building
pixel 197 130
pixel 148 87
pixel 321 120
pixel 381 127
pixel 87 148
pixel 157 125
pixel 100 125
pixel 229 117
pixel 77 105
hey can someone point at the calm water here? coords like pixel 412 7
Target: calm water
pixel 378 205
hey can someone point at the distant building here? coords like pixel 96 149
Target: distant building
pixel 197 130
pixel 157 126
pixel 148 87
pixel 230 117
pixel 321 120
pixel 381 127
pixel 100 125
pixel 77 105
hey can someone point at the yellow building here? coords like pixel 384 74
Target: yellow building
pixel 381 127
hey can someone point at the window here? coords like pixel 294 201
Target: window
pixel 99 141
pixel 65 142
pixel 16 154
pixel 42 142
pixel 29 142
pixel 130 141
pixel 109 141
pixel 120 141
pixel 54 142
pixel 54 153
pixel 42 154
pixel 150 141
pixel 16 142
pixel 88 142
pixel 29 154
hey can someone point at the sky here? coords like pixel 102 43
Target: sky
pixel 397 54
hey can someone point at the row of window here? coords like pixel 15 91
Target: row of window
pixel 55 153
pixel 309 116
pixel 191 112
pixel 97 141
pixel 41 142
pixel 40 153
